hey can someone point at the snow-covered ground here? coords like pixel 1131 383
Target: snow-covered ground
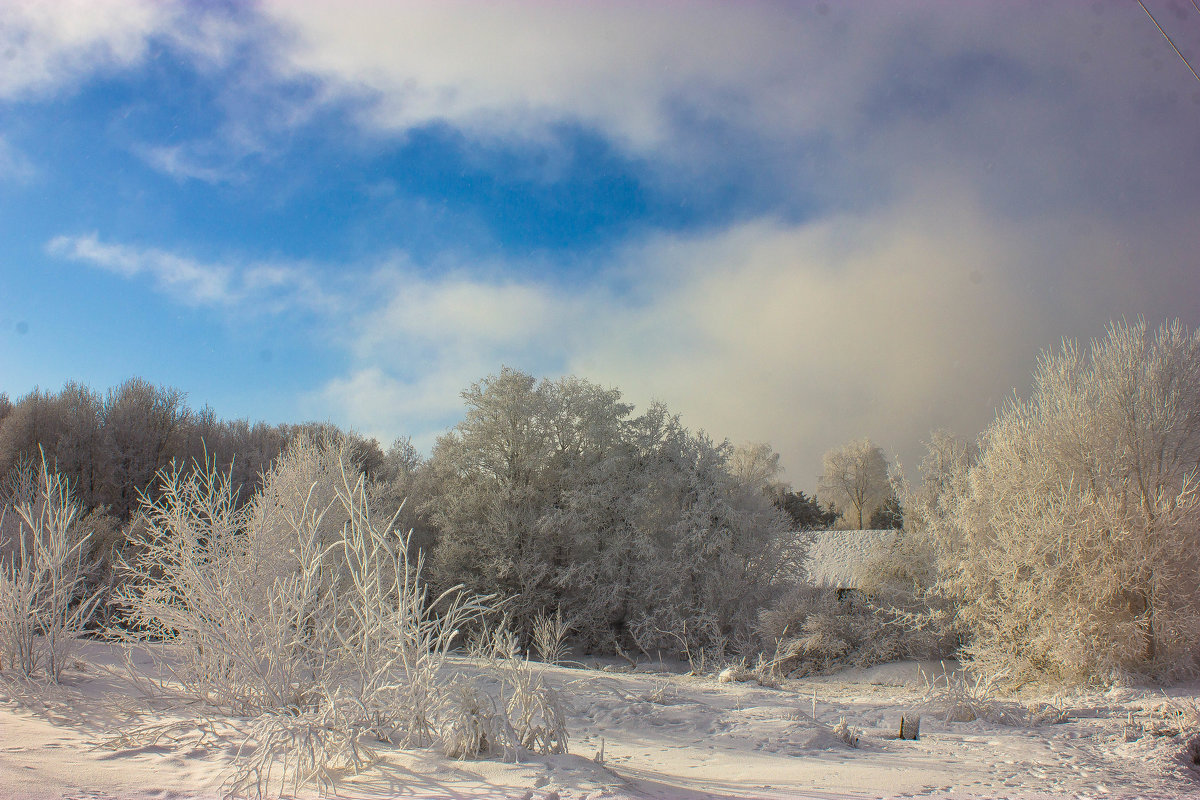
pixel 662 735
pixel 833 555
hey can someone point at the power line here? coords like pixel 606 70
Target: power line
pixel 1168 38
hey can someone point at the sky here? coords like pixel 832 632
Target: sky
pixel 794 222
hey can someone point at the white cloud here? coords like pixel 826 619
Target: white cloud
pixel 187 280
pixel 376 403
pixel 504 67
pixel 14 165
pixel 629 68
pixel 182 163
pixel 460 310
pixel 47 45
pixel 271 288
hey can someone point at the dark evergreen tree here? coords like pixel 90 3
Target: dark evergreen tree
pixel 804 511
pixel 888 516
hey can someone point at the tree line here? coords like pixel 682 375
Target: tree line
pixel 1064 541
pixel 553 494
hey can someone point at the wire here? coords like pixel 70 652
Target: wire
pixel 1168 38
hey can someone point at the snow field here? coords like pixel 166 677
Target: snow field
pixel 663 734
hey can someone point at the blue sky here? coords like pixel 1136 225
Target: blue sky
pixel 794 222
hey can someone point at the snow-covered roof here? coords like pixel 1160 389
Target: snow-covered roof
pixel 833 555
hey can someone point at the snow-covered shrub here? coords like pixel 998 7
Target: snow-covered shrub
pixel 327 639
pixel 847 733
pixel 663 694
pixel 895 582
pixel 735 673
pixel 188 584
pixel 765 673
pixel 898 573
pixel 901 576
pixel 305 480
pixel 1047 713
pixel 490 640
pixel 535 712
pixel 526 713
pixel 549 636
pixel 473 724
pixel 961 698
pixel 817 629
pixel 44 598
pixel 1071 548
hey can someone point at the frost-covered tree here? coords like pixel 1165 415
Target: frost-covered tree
pixel 403 482
pixel 44 599
pixel 718 548
pixel 550 493
pixel 36 420
pixel 1073 545
pixel 144 430
pixel 755 464
pixel 901 575
pixel 499 475
pixel 854 478
pixel 78 452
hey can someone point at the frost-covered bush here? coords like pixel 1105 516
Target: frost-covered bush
pixel 474 723
pixel 45 602
pixel 308 478
pixel 535 712
pixel 1072 547
pixel 817 629
pixel 847 733
pixel 960 697
pixel 550 637
pixel 325 638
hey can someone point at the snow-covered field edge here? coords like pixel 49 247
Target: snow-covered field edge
pixel 651 732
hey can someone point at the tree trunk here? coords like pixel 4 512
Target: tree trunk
pixel 1150 654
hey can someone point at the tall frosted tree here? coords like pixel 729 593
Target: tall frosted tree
pixel 756 464
pixel 854 479
pixel 551 493
pixel 1073 545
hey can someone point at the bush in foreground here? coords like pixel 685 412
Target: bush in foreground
pixel 324 637
pixel 1071 547
pixel 44 599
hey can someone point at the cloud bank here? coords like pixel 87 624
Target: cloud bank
pixel 807 336
pixel 981 181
